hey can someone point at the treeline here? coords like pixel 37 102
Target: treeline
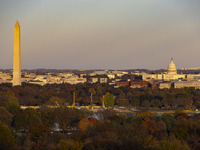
pixel 64 128
pixel 71 129
pixel 34 95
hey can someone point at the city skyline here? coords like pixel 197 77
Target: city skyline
pixel 93 34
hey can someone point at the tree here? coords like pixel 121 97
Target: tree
pixel 23 119
pixel 56 101
pixel 180 129
pixel 146 103
pixel 70 145
pixel 156 103
pixel 37 131
pixel 5 116
pixel 92 92
pixel 47 116
pixel 99 90
pixel 169 121
pixel 171 143
pixel 7 140
pixel 13 105
pixel 65 117
pixel 85 123
pixel 108 100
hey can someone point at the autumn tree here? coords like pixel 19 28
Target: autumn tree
pixel 37 131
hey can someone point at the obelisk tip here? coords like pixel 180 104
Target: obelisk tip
pixel 17 23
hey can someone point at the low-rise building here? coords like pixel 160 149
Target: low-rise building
pixel 102 80
pixel 110 74
pixel 93 80
pixel 122 83
pixel 139 84
pixel 163 85
pixel 183 84
pixel 75 80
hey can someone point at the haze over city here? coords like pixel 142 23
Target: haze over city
pixel 101 34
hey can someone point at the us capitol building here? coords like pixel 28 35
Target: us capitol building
pixel 171 75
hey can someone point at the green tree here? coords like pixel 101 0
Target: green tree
pixel 5 116
pixel 146 103
pixel 7 140
pixel 13 105
pixel 23 119
pixel 180 129
pixel 56 101
pixel 47 116
pixel 170 143
pixel 156 103
pixel 109 100
pixel 65 117
pixel 70 145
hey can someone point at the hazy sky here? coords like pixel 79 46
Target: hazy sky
pixel 101 34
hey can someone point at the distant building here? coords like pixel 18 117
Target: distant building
pixel 171 75
pixel 139 84
pixel 122 83
pixel 163 85
pixel 93 80
pixel 183 84
pixel 190 68
pixel 5 77
pixel 75 80
pixel 1 80
pixel 110 74
pixel 102 80
pixel 191 77
pixel 37 82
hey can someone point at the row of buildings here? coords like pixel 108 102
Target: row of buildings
pixel 172 79
pixel 49 78
pixel 164 80
pixel 159 84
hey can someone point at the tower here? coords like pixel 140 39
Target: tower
pixel 17 56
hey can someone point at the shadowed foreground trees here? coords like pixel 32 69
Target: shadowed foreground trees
pixel 63 128
pixel 36 129
pixel 7 140
pixel 5 116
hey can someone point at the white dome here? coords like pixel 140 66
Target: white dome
pixel 172 68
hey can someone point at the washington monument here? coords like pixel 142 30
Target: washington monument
pixel 17 56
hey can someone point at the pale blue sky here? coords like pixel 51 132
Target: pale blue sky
pixel 101 34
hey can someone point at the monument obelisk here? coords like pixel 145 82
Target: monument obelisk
pixel 17 56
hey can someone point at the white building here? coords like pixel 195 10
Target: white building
pixel 169 76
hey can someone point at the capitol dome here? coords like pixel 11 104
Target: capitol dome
pixel 172 68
